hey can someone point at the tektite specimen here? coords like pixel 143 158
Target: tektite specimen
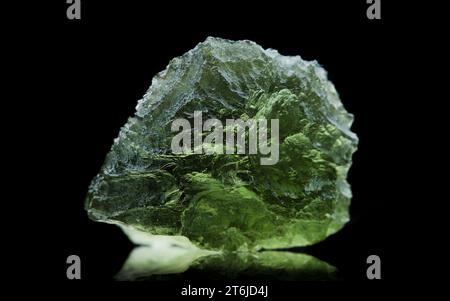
pixel 232 202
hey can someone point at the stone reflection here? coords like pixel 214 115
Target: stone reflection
pixel 159 257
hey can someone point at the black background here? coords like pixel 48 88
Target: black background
pixel 92 72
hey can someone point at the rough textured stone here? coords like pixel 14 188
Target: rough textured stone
pixel 232 202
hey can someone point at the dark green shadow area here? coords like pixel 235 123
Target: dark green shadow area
pixel 266 265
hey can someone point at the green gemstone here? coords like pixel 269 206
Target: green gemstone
pixel 231 202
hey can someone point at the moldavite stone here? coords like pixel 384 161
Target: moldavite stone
pixel 232 202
